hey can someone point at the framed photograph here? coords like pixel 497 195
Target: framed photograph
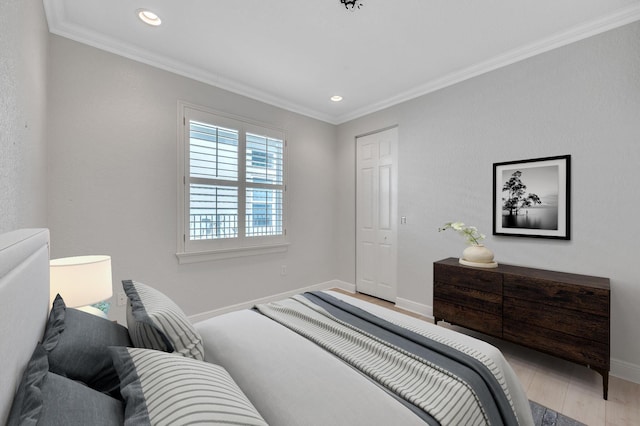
pixel 531 198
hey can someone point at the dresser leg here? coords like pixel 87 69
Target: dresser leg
pixel 605 382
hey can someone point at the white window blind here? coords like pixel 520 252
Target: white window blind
pixel 213 176
pixel 264 175
pixel 234 188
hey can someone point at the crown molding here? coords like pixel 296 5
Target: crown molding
pixel 58 25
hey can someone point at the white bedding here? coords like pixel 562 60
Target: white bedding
pixel 518 395
pixel 291 381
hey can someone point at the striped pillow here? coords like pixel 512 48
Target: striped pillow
pixel 166 389
pixel 155 322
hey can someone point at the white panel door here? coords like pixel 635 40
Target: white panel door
pixel 376 214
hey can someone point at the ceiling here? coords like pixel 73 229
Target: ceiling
pixel 296 54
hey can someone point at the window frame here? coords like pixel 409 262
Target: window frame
pixel 189 251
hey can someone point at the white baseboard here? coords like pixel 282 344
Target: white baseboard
pixel 415 307
pixel 625 370
pixel 251 303
pixel 343 285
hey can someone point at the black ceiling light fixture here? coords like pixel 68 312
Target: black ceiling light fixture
pixel 351 4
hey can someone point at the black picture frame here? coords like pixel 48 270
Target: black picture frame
pixel 532 198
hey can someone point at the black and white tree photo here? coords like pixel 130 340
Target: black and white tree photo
pixel 531 198
pixel 523 208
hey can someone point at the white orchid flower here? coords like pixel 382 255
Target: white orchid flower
pixel 470 233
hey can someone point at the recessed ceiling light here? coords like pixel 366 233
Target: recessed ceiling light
pixel 336 98
pixel 148 17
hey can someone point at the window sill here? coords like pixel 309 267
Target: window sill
pixel 204 256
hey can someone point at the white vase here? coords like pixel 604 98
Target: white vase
pixel 478 255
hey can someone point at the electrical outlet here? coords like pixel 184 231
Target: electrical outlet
pixel 122 299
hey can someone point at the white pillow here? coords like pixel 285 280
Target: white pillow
pixel 166 389
pixel 156 322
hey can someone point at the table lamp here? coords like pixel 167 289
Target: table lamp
pixel 81 281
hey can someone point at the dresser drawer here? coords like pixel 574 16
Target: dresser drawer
pixel 581 298
pixel 562 319
pixel 469 297
pixel 462 276
pixel 467 317
pixel 572 348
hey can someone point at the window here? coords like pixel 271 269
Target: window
pixel 231 200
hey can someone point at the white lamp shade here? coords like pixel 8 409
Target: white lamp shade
pixel 81 280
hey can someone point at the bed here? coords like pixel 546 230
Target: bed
pixel 321 358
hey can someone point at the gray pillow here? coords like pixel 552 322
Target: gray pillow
pixel 76 343
pixel 155 322
pixel 161 388
pixel 44 398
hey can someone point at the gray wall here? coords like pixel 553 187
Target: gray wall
pixel 113 180
pixel 583 100
pixel 23 99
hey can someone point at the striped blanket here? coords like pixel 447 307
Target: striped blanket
pixel 440 381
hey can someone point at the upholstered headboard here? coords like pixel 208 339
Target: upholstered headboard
pixel 24 296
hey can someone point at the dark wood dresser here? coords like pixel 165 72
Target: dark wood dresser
pixel 562 314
